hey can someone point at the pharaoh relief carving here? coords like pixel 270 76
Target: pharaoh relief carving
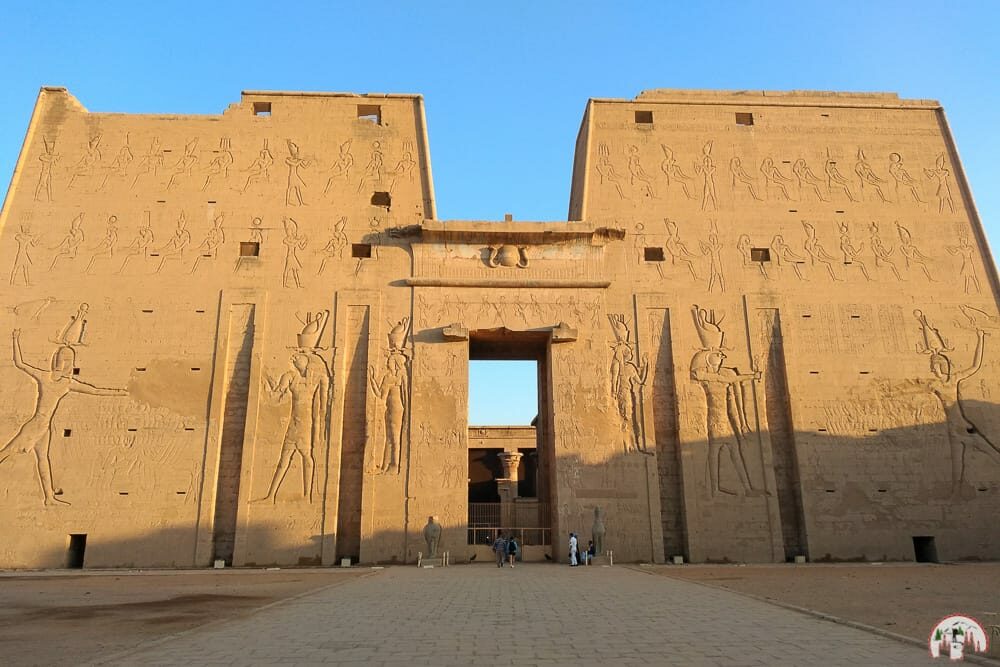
pixel 726 394
pixel 628 377
pixel 706 169
pixel 903 181
pixel 150 164
pixel 673 173
pixel 868 177
pixel 218 168
pixel 185 165
pixel 911 254
pixel 881 251
pixel 334 248
pixel 68 247
pixel 106 248
pixel 852 253
pixel 817 253
pixel 774 181
pixel 745 247
pixel 836 181
pixel 677 249
pixel 209 247
pixel 393 390
pixel 140 244
pixel 942 175
pixel 259 170
pixel 712 249
pixel 119 165
pixel 26 240
pixel 341 169
pixel 967 272
pixel 945 385
pixel 87 166
pixel 784 256
pixel 295 185
pixel 374 169
pixel 807 180
pixel 308 385
pixel 606 170
pixel 508 256
pixel 52 385
pixel 294 242
pixel 740 179
pixel 638 178
pixel 48 160
pixel 178 243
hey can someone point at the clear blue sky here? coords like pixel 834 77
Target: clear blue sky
pixel 505 83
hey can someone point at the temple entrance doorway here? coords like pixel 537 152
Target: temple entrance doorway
pixel 509 441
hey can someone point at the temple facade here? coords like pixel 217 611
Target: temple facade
pixel 768 329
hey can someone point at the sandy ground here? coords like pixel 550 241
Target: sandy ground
pixel 49 618
pixel 904 598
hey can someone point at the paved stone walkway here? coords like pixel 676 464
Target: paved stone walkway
pixel 535 614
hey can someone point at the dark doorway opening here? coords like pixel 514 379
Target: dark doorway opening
pixel 77 547
pixel 924 549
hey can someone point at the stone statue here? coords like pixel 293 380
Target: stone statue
pixel 432 536
pixel 597 530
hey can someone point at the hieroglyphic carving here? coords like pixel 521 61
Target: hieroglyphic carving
pixel 739 175
pixel 334 248
pixel 627 381
pixel 882 252
pixel 71 243
pixel 34 435
pixel 773 178
pixel 375 167
pixel 713 250
pixel 677 249
pixel 220 164
pixel 968 269
pixel 672 170
pixel 140 245
pixel 784 256
pixel 294 241
pixel 209 247
pixel 88 164
pixel 706 169
pixel 911 254
pixel 174 248
pixel 606 170
pixel 342 167
pixel 945 386
pixel 637 175
pixel 902 178
pixel 508 256
pixel 726 424
pixel 942 175
pixel 295 185
pixel 807 179
pixel 393 389
pixel 867 176
pixel 852 254
pixel 260 169
pixel 26 240
pixel 816 251
pixel 48 158
pixel 312 329
pixel 184 166
pixel 106 248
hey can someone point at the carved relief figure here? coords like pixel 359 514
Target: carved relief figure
pixel 816 251
pixel 403 169
pixel 835 180
pixel 260 169
pixel 88 163
pixel 598 531
pixel 968 270
pixel 140 245
pixel 606 170
pixel 672 170
pixel 119 166
pixel 713 250
pixel 638 174
pixel 942 175
pixel 852 254
pixel 312 329
pixel 22 260
pixel 783 255
pixel 882 252
pixel 903 178
pixel 739 175
pixel 726 421
pixel 807 179
pixel 706 169
pixel 393 389
pixel 911 254
pixel 745 246
pixel 210 245
pixel 68 247
pixel 866 175
pixel 48 158
pixel 432 536
pixel 51 386
pixel 174 248
pixel 106 248
pixel 374 168
pixel 773 178
pixel 293 191
pixel 185 166
pixel 342 167
pixel 676 249
pixel 334 248
pixel 220 164
pixel 627 381
pixel 150 162
pixel 294 241
pixel 945 386
pixel 308 386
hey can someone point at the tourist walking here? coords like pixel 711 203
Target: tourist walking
pixel 572 550
pixel 500 549
pixel 512 550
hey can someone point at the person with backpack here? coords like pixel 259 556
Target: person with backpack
pixel 512 550
pixel 500 549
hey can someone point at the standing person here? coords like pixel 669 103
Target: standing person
pixel 572 550
pixel 591 552
pixel 500 549
pixel 512 550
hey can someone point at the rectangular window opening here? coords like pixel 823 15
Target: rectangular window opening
pixel 760 254
pixel 67 432
pixel 644 117
pixel 76 551
pixel 744 118
pixel 195 369
pixel 140 370
pixel 249 249
pixel 382 199
pixel 361 250
pixel 371 113
pixel 924 549
pixel 261 108
pixel 76 371
pixel 653 254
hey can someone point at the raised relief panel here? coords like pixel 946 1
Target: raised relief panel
pixel 392 389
